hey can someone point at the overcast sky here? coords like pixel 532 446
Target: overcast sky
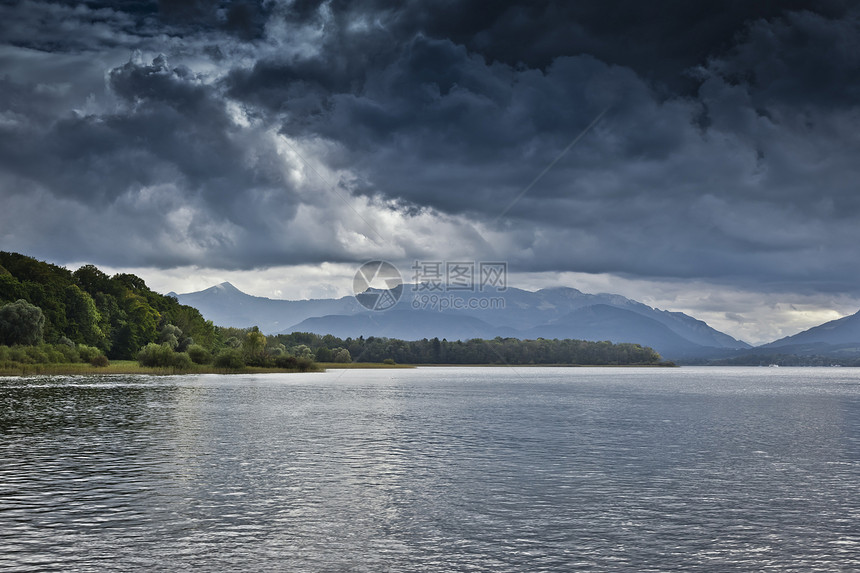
pixel 278 145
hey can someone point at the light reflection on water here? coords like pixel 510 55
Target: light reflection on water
pixel 434 469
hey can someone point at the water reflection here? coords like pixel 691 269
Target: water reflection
pixel 432 470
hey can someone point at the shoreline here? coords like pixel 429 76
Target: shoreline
pixel 132 367
pixel 118 367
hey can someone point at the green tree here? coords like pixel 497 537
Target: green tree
pixel 341 355
pixel 83 318
pixel 139 327
pixel 92 280
pixel 21 323
pixel 10 288
pixel 302 351
pixel 155 355
pixel 170 335
pixel 199 355
pixel 254 347
pixel 229 358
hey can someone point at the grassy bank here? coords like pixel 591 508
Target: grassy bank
pixel 133 367
pixel 360 365
pixel 130 367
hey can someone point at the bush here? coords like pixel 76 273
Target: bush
pixel 36 355
pixel 52 354
pixel 304 364
pixel 18 353
pixel 100 361
pixel 70 353
pixel 341 355
pixel 182 361
pixel 154 355
pixel 230 358
pixel 199 355
pixel 87 353
pixel 389 361
pixel 286 361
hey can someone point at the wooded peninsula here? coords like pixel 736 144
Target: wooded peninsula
pixel 51 315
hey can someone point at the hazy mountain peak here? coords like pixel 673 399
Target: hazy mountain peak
pixel 226 287
pixel 570 291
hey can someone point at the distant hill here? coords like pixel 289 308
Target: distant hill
pixel 526 309
pixel 225 305
pixel 604 322
pixel 547 313
pixel 834 342
pixel 841 332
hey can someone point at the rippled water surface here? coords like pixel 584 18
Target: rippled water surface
pixel 434 469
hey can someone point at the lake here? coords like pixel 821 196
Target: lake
pixel 434 469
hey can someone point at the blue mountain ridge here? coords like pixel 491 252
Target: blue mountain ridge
pixel 840 337
pixel 559 312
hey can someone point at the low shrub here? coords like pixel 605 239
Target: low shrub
pixel 199 355
pixel 70 353
pixel 181 361
pixel 87 353
pixel 286 361
pixel 36 355
pixel 155 355
pixel 60 353
pixel 229 358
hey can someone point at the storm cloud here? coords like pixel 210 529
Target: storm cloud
pixel 239 135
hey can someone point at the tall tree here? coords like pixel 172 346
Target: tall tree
pixel 21 323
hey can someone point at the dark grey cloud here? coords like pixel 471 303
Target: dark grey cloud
pixel 659 41
pixel 166 126
pixel 711 181
pixel 168 148
pixel 726 152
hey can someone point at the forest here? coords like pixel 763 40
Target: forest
pixel 474 351
pixel 116 315
pixel 51 314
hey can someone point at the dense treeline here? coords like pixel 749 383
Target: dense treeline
pixel 476 351
pixel 241 348
pixel 118 315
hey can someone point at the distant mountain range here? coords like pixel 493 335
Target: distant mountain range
pixel 549 313
pixel 225 305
